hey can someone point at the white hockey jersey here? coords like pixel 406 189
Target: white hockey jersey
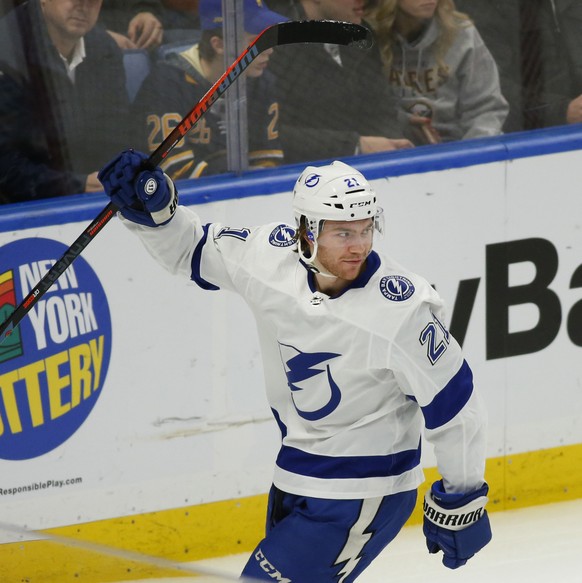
pixel 351 379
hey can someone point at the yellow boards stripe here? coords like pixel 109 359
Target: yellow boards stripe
pixel 235 526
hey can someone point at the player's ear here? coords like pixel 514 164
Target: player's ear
pixel 309 241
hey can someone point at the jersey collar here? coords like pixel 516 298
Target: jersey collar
pixel 372 265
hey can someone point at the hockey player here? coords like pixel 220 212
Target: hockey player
pixel 174 86
pixel 358 363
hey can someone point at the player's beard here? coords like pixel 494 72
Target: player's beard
pixel 346 266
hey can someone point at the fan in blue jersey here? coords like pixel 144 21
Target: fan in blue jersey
pixel 175 86
pixel 358 364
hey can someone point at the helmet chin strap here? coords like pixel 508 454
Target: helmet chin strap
pixel 321 271
pixel 310 262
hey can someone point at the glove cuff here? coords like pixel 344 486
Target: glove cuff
pixel 164 215
pixel 454 518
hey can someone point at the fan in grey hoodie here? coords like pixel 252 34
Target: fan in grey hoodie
pixel 443 94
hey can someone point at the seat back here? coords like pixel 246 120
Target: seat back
pixel 137 63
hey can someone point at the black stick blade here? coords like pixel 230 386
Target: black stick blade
pixel 320 31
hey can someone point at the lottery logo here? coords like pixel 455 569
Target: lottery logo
pixel 54 364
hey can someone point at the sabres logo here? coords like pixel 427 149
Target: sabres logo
pixel 396 288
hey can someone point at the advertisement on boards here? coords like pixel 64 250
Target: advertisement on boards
pixel 152 391
pixel 53 367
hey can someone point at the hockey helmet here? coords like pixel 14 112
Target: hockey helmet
pixel 336 192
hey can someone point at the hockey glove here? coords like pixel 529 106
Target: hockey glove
pixel 147 197
pixel 456 524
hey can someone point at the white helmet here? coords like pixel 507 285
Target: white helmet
pixel 336 192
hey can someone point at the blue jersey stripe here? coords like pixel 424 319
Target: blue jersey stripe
pixel 282 426
pixel 196 259
pixel 325 467
pixel 450 400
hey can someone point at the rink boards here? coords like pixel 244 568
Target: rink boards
pixel 131 404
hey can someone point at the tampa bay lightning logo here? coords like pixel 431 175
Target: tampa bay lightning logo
pixel 282 236
pixel 396 288
pixel 312 180
pixel 314 396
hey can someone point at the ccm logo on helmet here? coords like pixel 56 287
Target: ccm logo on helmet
pixel 361 203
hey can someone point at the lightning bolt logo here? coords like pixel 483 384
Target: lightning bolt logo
pixel 301 367
pixel 312 180
pixel 359 535
pixel 282 236
pixel 396 288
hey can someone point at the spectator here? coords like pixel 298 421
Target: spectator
pixel 333 102
pixel 181 18
pixel 173 89
pixel 566 24
pixel 63 105
pixel 134 24
pixel 537 45
pixel 281 6
pixel 440 72
pixel 498 23
pixel 6 6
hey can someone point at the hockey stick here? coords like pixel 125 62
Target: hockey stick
pixel 294 32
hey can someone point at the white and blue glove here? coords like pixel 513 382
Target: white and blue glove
pixel 144 196
pixel 456 524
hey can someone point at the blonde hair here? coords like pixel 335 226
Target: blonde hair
pixel 382 16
